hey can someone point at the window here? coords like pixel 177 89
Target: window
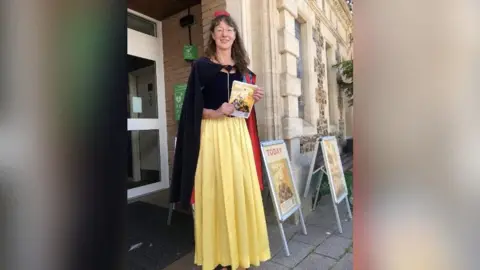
pixel 142 25
pixel 298 36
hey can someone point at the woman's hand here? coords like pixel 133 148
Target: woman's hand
pixel 226 109
pixel 258 94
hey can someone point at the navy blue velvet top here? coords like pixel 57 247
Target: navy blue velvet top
pixel 215 92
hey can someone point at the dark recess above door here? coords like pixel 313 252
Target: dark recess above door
pixel 160 9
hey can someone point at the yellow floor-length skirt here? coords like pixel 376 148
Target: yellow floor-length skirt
pixel 230 227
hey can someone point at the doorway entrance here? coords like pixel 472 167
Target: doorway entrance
pixel 150 109
pixel 146 123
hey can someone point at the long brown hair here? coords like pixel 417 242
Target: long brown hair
pixel 239 54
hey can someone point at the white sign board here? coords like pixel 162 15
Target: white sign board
pixel 137 104
pixel 283 191
pixel 334 169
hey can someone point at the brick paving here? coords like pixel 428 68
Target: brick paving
pixel 324 248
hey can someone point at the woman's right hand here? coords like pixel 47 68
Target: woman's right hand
pixel 226 109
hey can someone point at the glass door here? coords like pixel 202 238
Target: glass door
pixel 147 140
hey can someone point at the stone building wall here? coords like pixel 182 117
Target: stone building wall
pixel 321 93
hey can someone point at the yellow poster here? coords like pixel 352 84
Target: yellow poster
pixel 280 177
pixel 334 167
pixel 242 98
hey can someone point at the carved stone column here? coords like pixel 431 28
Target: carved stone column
pixel 260 37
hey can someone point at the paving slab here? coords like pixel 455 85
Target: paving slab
pixel 298 252
pixel 347 226
pixel 276 243
pixel 334 247
pixel 345 263
pixel 315 235
pixel 326 204
pixel 270 266
pixel 322 217
pixel 316 262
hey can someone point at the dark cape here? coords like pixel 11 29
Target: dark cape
pixel 189 128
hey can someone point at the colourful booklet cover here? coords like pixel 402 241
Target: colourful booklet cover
pixel 242 98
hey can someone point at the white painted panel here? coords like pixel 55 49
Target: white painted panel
pixel 143 123
pixel 142 45
pixel 137 192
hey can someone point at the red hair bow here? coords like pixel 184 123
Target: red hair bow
pixel 221 13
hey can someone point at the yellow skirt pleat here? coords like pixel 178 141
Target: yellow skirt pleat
pixel 230 227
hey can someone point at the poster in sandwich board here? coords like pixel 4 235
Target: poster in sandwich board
pixel 285 198
pixel 334 169
pixel 280 179
pixel 326 160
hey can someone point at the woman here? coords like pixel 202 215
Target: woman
pixel 217 157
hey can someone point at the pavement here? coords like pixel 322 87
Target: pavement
pixel 323 248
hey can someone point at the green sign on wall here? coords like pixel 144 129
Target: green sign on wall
pixel 178 96
pixel 190 52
